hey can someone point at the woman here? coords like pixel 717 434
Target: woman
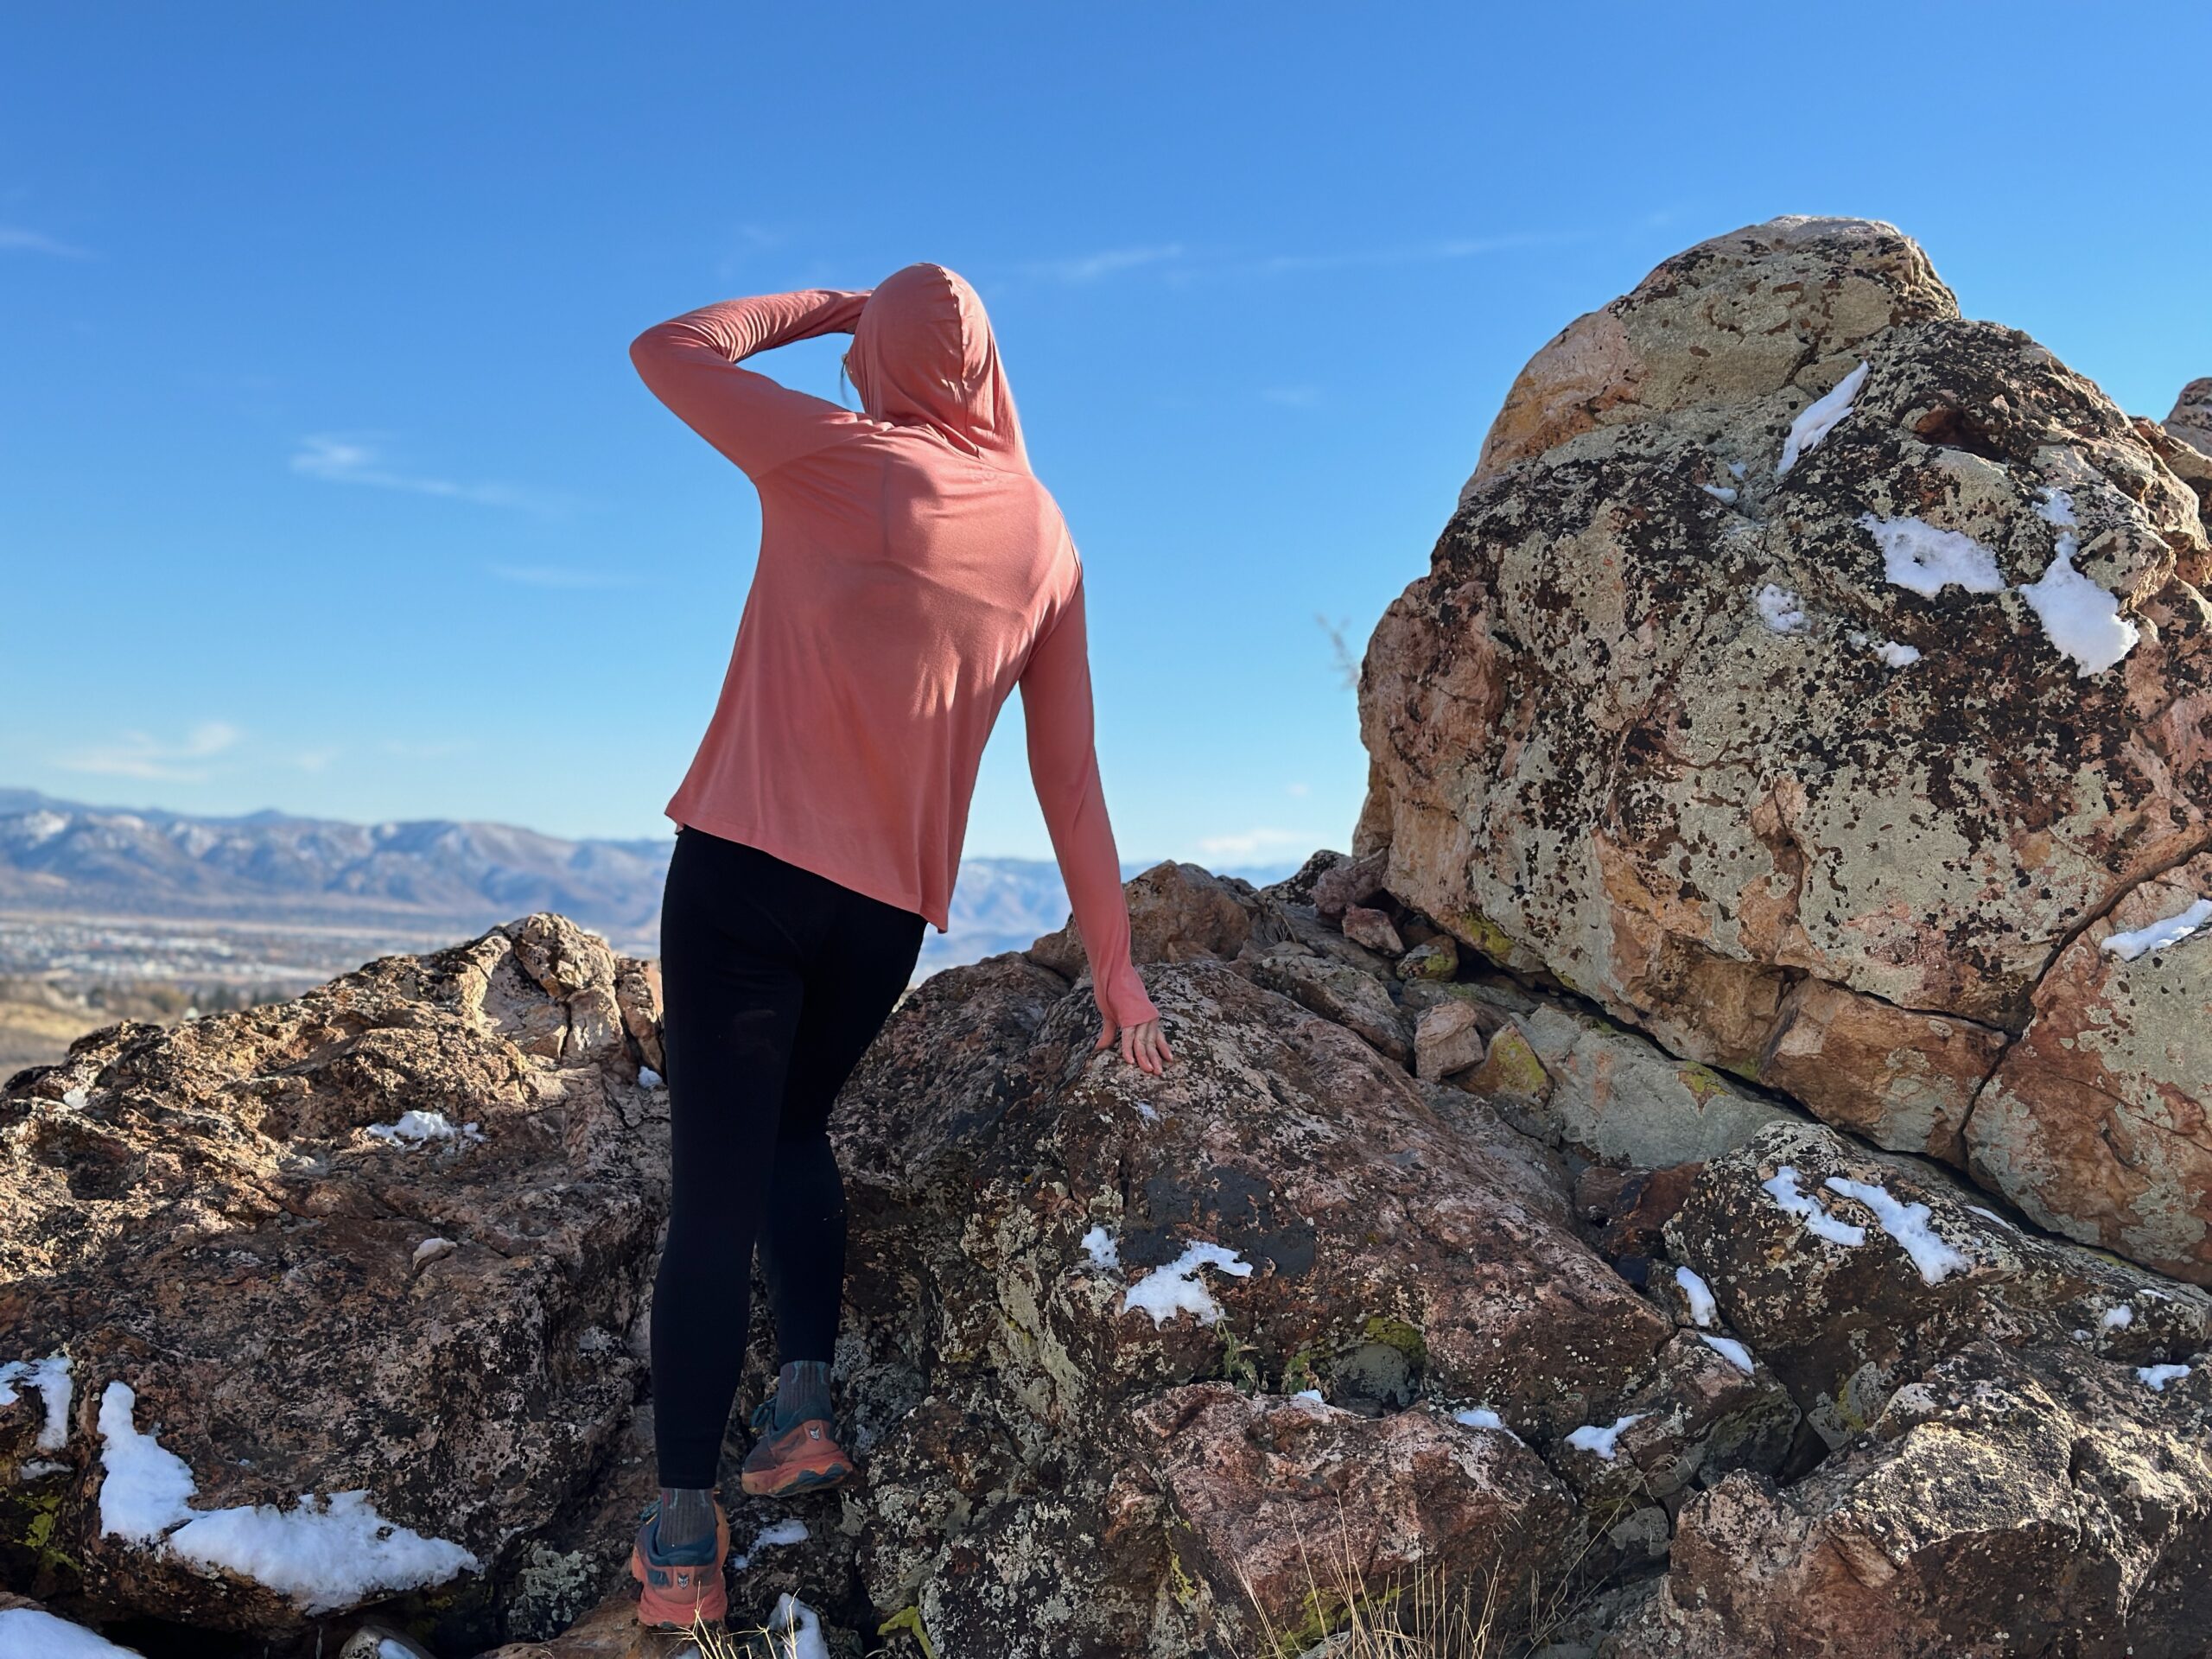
pixel 913 572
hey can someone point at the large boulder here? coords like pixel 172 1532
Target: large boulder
pixel 1080 1298
pixel 1810 771
pixel 331 1302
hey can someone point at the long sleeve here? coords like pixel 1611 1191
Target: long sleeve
pixel 1056 708
pixel 690 363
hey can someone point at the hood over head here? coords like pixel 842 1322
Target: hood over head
pixel 923 355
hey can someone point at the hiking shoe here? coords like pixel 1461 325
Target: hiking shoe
pixel 805 1457
pixel 678 1588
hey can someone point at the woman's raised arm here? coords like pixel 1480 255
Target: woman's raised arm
pixel 690 363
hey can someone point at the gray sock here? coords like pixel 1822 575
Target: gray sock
pixel 686 1521
pixel 802 1392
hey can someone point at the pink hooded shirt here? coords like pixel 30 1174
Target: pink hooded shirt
pixel 913 572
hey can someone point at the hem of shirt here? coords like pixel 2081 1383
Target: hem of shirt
pixel 806 859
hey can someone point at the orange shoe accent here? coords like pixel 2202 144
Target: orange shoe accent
pixel 671 1597
pixel 803 1459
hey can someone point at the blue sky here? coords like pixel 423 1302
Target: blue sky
pixel 325 484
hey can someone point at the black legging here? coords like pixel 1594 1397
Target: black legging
pixel 774 980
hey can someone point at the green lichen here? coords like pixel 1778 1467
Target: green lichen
pixel 1180 1584
pixel 1703 1081
pixel 1299 1374
pixel 909 1620
pixel 1512 1067
pixel 37 1532
pixel 1397 1333
pixel 1323 1613
pixel 1485 936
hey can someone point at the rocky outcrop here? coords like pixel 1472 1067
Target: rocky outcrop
pixel 2020 1461
pixel 1806 671
pixel 332 1301
pixel 2191 420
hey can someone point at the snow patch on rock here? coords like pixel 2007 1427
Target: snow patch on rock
pixel 1592 1438
pixel 1176 1288
pixel 1908 1223
pixel 1918 555
pixel 329 1552
pixel 1699 1295
pixel 2157 936
pixel 1819 418
pixel 1782 1187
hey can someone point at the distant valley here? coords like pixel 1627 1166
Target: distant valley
pixel 269 903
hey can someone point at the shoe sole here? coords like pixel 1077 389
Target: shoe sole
pixel 663 1610
pixel 779 1484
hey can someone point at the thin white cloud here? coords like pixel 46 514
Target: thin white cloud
pixel 137 754
pixel 746 241
pixel 434 749
pixel 14 238
pixel 351 460
pixel 554 576
pixel 1175 263
pixel 1110 262
pixel 1249 843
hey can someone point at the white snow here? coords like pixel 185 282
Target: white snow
pixel 1992 1215
pixel 74 1099
pixel 2155 1378
pixel 50 1377
pixel 1780 609
pixel 329 1552
pixel 1897 656
pixel 1720 492
pixel 2116 1318
pixel 40 1468
pixel 647 1078
pixel 1176 1288
pixel 1819 418
pixel 2079 617
pixel 1736 469
pixel 1312 1395
pixel 778 1536
pixel 1479 1417
pixel 430 1249
pixel 1698 1293
pixel 1907 1224
pixel 1590 1438
pixel 388 1648
pixel 2159 935
pixel 2056 507
pixel 144 1488
pixel 796 1630
pixel 1146 1111
pixel 1784 1187
pixel 1918 555
pixel 1098 1244
pixel 32 1633
pixel 418 1128
pixel 1730 1350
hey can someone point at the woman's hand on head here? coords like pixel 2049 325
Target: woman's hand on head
pixel 1144 1046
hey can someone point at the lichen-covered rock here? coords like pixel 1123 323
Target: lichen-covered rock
pixel 1360 1000
pixel 1278 1512
pixel 2003 1506
pixel 1620 1099
pixel 2099 1122
pixel 1850 1274
pixel 384 1246
pixel 1714 742
pixel 1177 913
pixel 1298 1210
pixel 2191 420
